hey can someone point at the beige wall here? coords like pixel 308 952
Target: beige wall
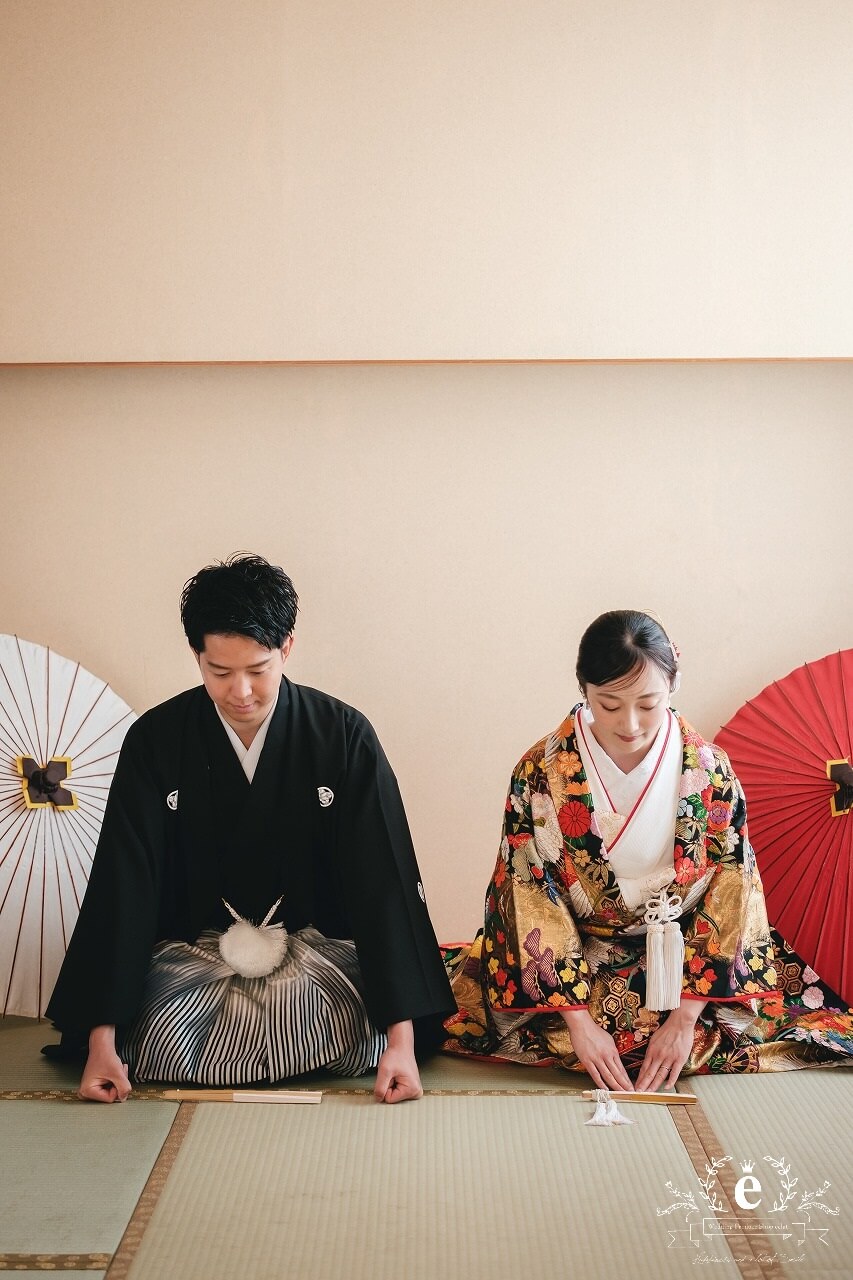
pixel 450 529
pixel 288 180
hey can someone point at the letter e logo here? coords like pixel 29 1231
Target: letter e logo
pixel 745 1185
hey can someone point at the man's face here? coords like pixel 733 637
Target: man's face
pixel 243 679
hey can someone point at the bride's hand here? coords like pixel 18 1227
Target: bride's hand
pixel 669 1048
pixel 596 1051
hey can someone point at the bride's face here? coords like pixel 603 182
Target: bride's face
pixel 629 712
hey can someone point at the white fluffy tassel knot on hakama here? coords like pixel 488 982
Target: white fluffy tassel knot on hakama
pixel 253 951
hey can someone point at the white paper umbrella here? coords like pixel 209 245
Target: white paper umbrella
pixel 60 733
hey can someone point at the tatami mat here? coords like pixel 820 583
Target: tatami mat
pixel 22 1064
pixel 24 1067
pixel 444 1073
pixel 455 1186
pixel 70 1176
pixel 449 1189
pixel 801 1118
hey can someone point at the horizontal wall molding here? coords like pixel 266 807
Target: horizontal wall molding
pixel 479 362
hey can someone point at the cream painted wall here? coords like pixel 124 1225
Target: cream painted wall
pixel 281 179
pixel 450 529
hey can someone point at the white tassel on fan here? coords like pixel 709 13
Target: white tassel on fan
pixel 252 950
pixel 664 952
pixel 606 1110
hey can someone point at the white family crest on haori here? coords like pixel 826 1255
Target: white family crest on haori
pixel 61 729
pixel 326 795
pixel 172 800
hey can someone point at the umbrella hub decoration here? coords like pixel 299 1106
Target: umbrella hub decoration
pixel 841 773
pixel 42 782
pixel 60 733
pixel 791 747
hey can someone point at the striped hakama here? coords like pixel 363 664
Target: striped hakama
pixel 202 1023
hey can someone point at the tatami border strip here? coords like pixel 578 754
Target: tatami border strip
pixel 123 1257
pixel 71 1095
pixel 466 1093
pixel 703 1146
pixel 158 1095
pixel 54 1261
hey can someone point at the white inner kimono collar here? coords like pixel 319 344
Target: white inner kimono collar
pixel 248 756
pixel 638 827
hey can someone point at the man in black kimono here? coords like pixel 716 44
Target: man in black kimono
pixel 320 824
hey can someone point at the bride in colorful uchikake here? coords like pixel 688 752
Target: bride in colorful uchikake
pixel 626 933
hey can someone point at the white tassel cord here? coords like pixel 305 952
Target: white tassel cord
pixel 253 951
pixel 664 952
pixel 600 1116
pixel 606 1111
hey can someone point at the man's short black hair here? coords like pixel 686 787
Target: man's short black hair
pixel 244 595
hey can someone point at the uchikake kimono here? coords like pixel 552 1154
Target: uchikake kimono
pixel 322 827
pixel 559 934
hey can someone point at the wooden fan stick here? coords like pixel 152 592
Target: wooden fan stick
pixel 663 1099
pixel 246 1095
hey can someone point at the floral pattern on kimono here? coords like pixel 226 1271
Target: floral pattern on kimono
pixel 559 935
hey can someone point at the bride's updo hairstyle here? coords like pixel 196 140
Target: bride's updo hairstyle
pixel 618 643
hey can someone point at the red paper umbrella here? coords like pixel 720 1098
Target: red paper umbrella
pixel 792 748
